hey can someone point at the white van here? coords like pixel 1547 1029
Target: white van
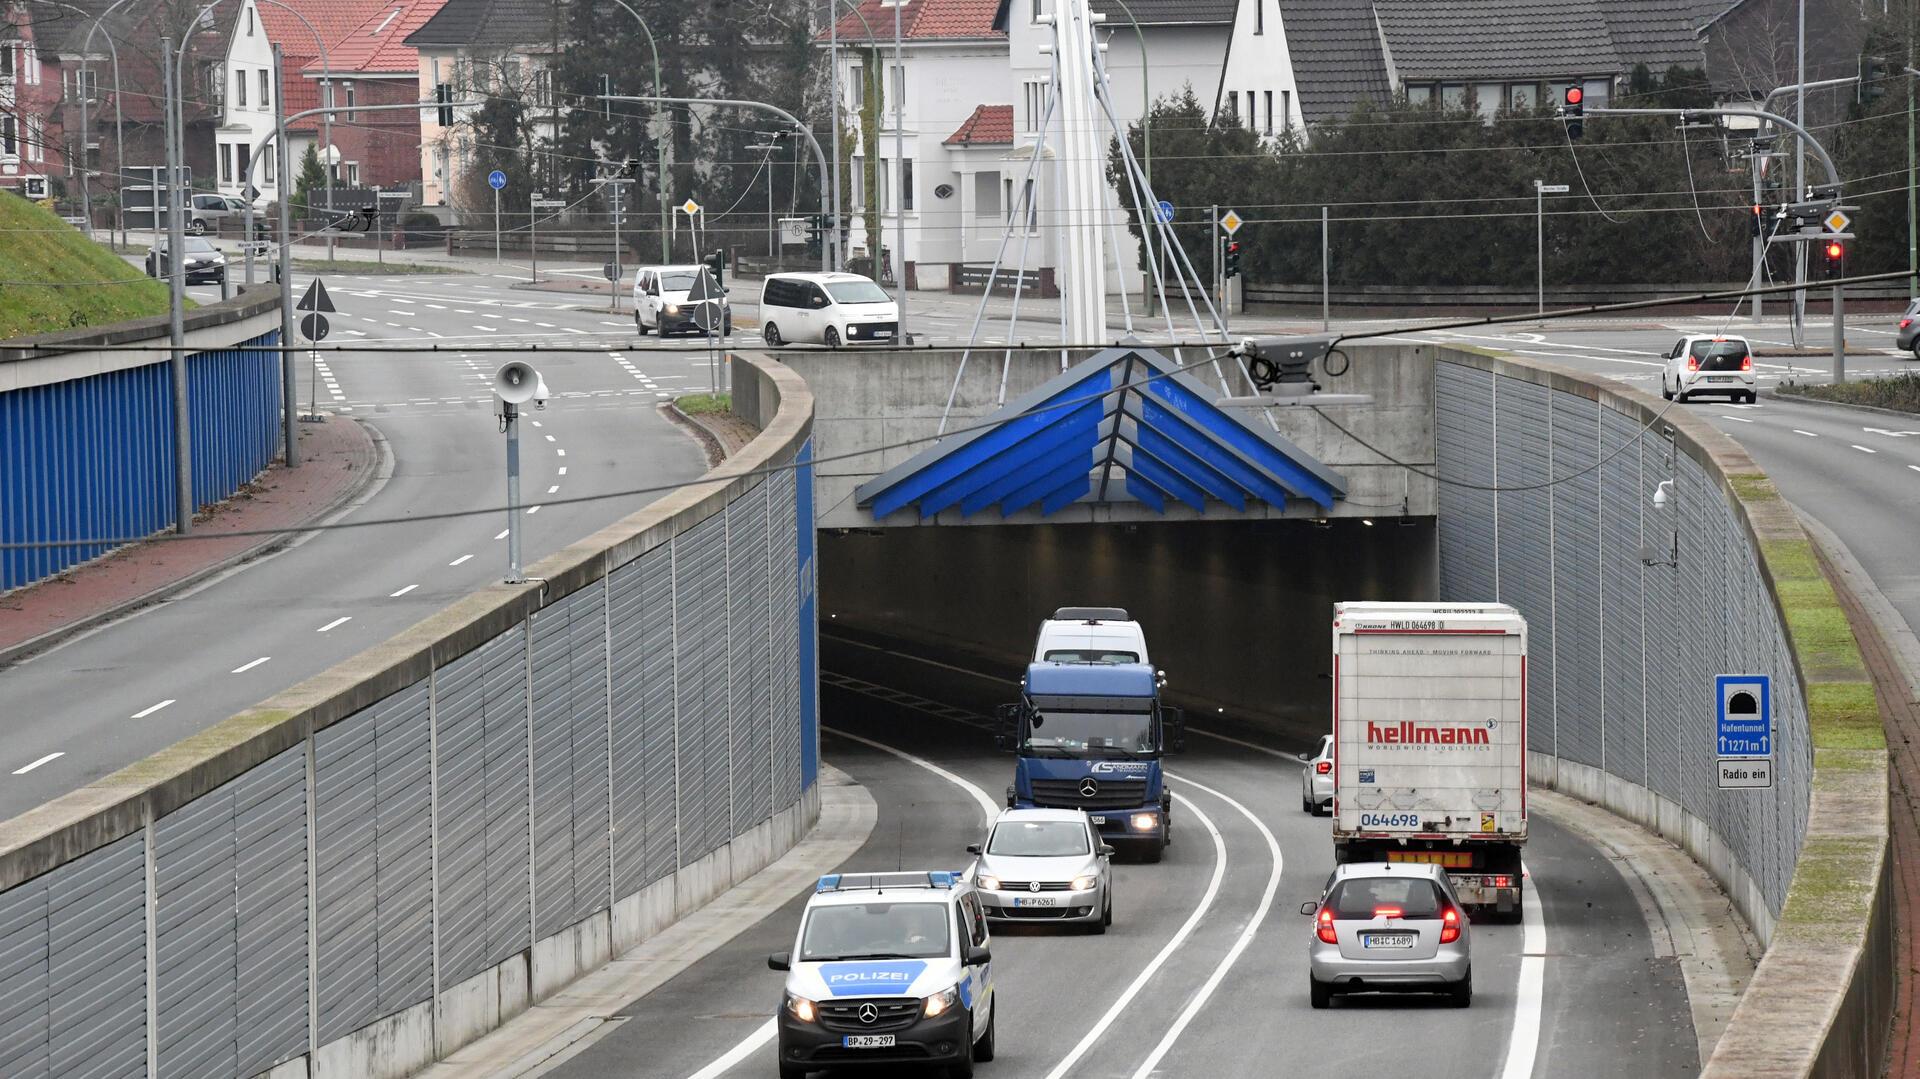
pixel 1090 635
pixel 830 309
pixel 660 301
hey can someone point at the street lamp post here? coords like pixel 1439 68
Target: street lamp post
pixel 183 505
pixel 659 144
pixel 838 259
pixel 119 128
pixel 326 118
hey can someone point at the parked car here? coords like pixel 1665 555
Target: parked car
pixel 203 263
pixel 660 301
pixel 1701 364
pixel 1909 334
pixel 205 212
pixel 1045 865
pixel 1316 778
pixel 1388 927
pixel 830 309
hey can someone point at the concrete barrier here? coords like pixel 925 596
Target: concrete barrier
pixel 371 869
pixel 1806 863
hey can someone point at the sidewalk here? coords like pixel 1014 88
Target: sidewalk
pixel 340 458
pixel 1892 656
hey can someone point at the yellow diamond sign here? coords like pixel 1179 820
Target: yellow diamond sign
pixel 1838 222
pixel 1231 222
pixel 689 207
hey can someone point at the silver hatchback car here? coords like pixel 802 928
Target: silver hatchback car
pixel 1316 778
pixel 1389 927
pixel 1045 865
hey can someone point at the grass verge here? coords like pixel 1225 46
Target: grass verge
pixel 57 279
pixel 1900 392
pixel 704 404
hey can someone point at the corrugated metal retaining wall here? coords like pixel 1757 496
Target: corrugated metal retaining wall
pixel 1622 654
pixel 467 816
pixel 91 454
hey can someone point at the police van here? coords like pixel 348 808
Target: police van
pixel 890 969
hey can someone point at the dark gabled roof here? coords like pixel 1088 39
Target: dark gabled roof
pixel 1167 12
pixel 508 23
pixel 1470 39
pixel 1335 47
pixel 1658 33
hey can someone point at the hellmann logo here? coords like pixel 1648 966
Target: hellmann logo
pixel 1405 733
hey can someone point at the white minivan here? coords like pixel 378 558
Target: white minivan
pixel 830 309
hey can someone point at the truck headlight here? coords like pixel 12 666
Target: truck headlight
pixel 801 1008
pixel 990 883
pixel 938 1003
pixel 1145 822
pixel 1085 882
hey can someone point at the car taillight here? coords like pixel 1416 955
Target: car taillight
pixel 1746 363
pixel 1502 881
pixel 1387 912
pixel 1905 322
pixel 1450 925
pixel 1323 767
pixel 1693 363
pixel 1323 926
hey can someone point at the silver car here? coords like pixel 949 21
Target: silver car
pixel 1908 335
pixel 1701 364
pixel 1045 865
pixel 1316 778
pixel 1388 927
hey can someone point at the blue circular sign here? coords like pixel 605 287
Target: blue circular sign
pixel 1163 211
pixel 496 179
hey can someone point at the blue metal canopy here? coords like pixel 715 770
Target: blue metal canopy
pixel 1123 425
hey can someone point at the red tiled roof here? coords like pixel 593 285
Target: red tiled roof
pixel 990 125
pixel 922 20
pixel 331 20
pixel 377 46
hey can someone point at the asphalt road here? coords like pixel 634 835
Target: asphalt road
pixel 123 691
pixel 1606 1005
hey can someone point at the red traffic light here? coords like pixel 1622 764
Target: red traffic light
pixel 1233 247
pixel 1575 95
pixel 1836 250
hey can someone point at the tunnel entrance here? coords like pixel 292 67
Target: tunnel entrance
pixel 1238 613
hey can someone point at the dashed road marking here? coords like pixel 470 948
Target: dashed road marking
pixel 151 709
pixel 503 534
pixel 250 665
pixel 28 768
pixel 1864 449
pixel 402 592
pixel 1809 434
pixel 459 560
pixel 336 623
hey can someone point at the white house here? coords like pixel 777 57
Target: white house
pixel 952 91
pixel 246 108
pixel 1185 46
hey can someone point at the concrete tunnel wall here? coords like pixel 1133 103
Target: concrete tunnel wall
pixel 1238 613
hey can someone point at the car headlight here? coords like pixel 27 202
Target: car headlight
pixel 1145 822
pixel 987 881
pixel 938 1003
pixel 1085 882
pixel 673 309
pixel 801 1008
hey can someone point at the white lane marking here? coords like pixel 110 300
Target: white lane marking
pixel 550 438
pixel 1173 944
pixel 402 592
pixel 561 453
pixel 502 535
pixel 340 621
pixel 747 1047
pixel 563 470
pixel 536 423
pixel 1809 434
pixel 488 329
pixel 459 560
pixel 1199 1000
pixel 533 510
pixel 1736 419
pixel 1916 468
pixel 38 763
pixel 145 712
pixel 1525 1044
pixel 555 489
pixel 250 665
pixel 1863 449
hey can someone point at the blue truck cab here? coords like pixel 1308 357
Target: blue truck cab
pixel 1091 736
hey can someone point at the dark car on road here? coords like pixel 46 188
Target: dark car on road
pixel 1909 333
pixel 204 262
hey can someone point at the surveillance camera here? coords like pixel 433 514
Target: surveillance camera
pixel 1662 493
pixel 540 394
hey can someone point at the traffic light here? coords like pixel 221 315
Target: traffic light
pixel 1874 73
pixel 716 264
pixel 816 229
pixel 1759 229
pixel 443 94
pixel 1836 259
pixel 1232 267
pixel 1574 111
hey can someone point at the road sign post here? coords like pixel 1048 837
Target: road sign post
pixel 317 305
pixel 1540 191
pixel 1743 730
pixel 498 181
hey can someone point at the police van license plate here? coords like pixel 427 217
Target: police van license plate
pixel 1387 940
pixel 867 1041
pixel 1033 901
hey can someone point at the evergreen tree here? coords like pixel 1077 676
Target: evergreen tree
pixel 309 186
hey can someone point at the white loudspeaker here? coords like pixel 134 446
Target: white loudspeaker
pixel 516 383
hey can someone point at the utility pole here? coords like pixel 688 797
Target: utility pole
pixel 1799 319
pixel 1913 217
pixel 1539 247
pixel 1756 159
pixel 1213 237
pixel 1326 266
pixel 176 298
pixel 901 195
pixel 289 377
